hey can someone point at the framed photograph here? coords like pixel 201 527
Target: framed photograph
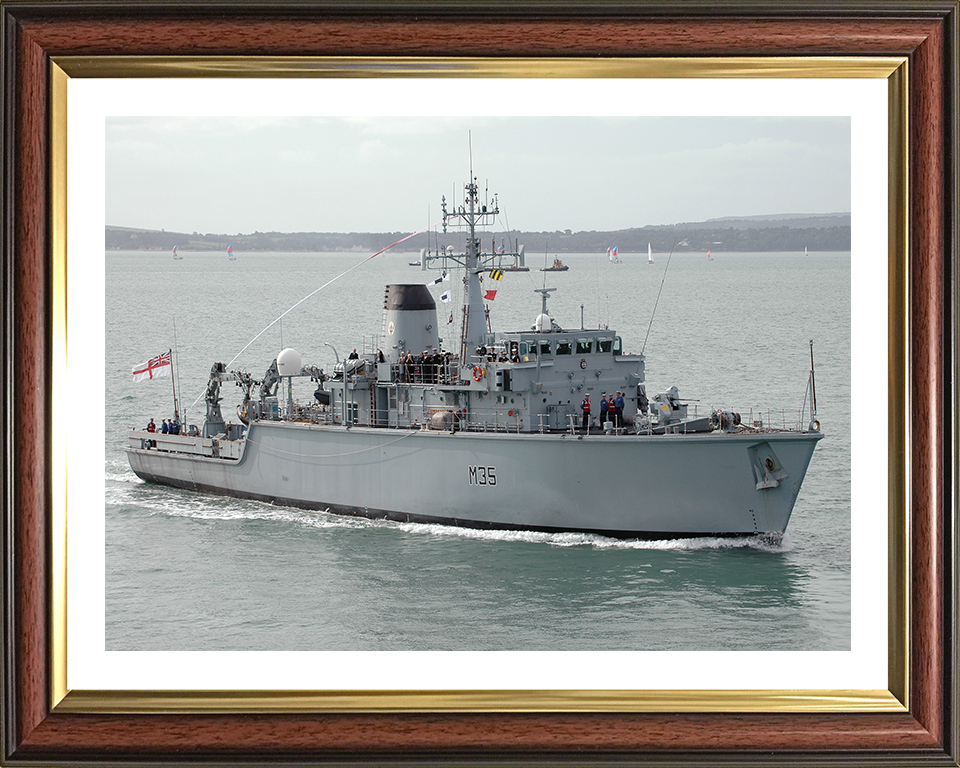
pixel 754 606
pixel 74 692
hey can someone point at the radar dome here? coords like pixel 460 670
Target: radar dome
pixel 289 362
pixel 543 324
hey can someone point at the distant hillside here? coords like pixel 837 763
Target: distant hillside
pixel 790 220
pixel 787 232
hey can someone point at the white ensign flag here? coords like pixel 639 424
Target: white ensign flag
pixel 156 368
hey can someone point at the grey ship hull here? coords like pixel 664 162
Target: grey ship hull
pixel 644 486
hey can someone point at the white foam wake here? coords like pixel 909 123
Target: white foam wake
pixel 167 501
pixel 594 540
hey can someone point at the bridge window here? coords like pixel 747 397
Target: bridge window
pixel 583 346
pixel 564 347
pixel 604 345
pixel 544 348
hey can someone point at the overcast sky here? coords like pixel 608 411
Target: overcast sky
pixel 375 174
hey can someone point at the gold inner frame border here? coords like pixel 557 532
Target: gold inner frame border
pixel 895 699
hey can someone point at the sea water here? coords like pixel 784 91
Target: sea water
pixel 190 571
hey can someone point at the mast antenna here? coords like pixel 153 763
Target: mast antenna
pixel 662 281
pixel 545 270
pixel 813 382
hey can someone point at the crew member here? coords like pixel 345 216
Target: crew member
pixel 585 407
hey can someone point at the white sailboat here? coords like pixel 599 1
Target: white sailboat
pixel 649 254
pixel 709 257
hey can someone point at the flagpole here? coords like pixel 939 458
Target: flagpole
pixel 174 374
pixel 173 380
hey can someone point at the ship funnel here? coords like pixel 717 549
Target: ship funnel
pixel 409 321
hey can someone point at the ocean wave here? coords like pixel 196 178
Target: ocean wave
pixel 119 473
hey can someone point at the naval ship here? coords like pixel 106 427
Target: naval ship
pixel 489 434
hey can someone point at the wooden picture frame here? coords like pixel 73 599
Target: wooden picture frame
pixel 42 726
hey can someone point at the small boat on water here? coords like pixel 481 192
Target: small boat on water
pixel 612 255
pixel 557 266
pixel 176 256
pixel 494 430
pixel 649 254
pixel 709 257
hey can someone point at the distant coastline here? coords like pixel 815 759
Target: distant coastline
pixel 785 232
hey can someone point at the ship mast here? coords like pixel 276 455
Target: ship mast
pixel 472 213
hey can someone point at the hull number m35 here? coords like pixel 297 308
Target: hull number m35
pixel 482 475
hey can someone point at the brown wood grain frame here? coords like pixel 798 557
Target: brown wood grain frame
pixel 926 33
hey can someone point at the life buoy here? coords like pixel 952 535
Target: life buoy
pixel 477 373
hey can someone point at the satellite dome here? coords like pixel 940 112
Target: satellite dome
pixel 289 362
pixel 543 324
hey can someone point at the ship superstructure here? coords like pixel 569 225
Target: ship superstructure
pixel 490 433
